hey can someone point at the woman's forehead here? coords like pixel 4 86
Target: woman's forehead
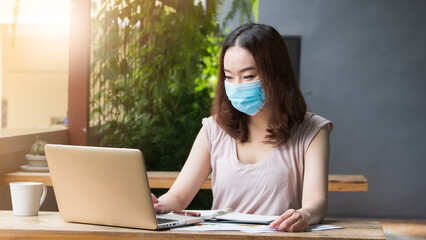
pixel 237 58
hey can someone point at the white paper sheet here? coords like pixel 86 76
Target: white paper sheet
pixel 322 227
pixel 248 218
pixel 247 228
pixel 228 215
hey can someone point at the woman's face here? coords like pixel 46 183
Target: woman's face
pixel 239 66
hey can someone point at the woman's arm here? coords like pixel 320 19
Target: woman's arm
pixel 315 183
pixel 315 187
pixel 192 176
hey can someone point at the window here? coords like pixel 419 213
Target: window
pixel 34 73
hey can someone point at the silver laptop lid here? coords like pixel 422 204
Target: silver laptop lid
pixel 107 186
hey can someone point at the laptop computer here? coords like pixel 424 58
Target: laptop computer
pixel 106 186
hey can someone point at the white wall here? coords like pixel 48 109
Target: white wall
pixel 35 74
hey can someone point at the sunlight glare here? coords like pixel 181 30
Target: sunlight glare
pixel 36 11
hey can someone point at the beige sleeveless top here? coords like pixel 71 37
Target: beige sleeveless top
pixel 269 187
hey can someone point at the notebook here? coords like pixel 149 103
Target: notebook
pixel 106 186
pixel 230 216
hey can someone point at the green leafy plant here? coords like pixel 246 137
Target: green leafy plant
pixel 245 8
pixel 154 65
pixel 147 82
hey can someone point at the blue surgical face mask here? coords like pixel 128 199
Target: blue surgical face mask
pixel 247 97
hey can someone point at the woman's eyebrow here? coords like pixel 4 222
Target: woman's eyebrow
pixel 242 70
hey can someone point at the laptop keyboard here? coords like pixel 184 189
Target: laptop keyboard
pixel 165 220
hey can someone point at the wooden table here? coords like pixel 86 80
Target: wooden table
pixel 49 225
pixel 336 183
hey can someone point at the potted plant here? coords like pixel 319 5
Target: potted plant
pixel 37 158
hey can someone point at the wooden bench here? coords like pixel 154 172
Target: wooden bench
pixel 336 182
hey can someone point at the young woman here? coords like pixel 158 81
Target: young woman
pixel 266 153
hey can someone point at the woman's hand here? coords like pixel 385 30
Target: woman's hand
pixel 157 204
pixel 291 221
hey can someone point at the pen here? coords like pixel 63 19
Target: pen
pixel 187 213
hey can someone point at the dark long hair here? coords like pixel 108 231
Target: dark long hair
pixel 278 80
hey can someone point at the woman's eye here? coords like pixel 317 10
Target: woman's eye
pixel 228 77
pixel 248 76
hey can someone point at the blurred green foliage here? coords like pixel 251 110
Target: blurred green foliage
pixel 153 70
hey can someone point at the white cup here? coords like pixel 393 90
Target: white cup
pixel 27 197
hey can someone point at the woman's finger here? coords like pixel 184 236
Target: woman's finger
pixel 300 225
pixel 281 218
pixel 288 222
pixel 157 208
